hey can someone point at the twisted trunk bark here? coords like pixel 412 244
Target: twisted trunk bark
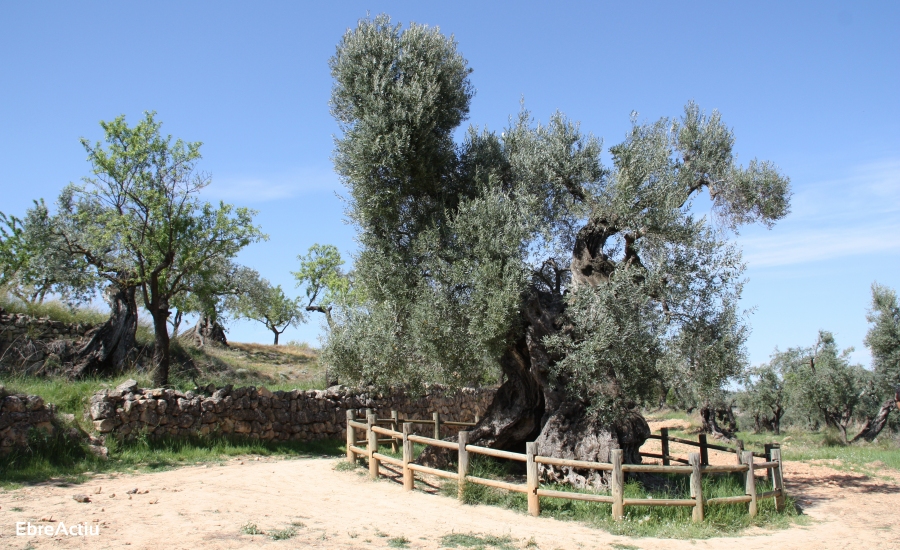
pixel 206 331
pixel 110 346
pixel 528 407
pixel 874 425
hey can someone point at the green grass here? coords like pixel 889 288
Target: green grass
pixel 58 458
pixel 398 542
pixel 251 529
pixel 69 396
pixel 283 534
pixel 668 414
pixel 863 457
pixel 640 521
pixel 477 542
pixel 55 310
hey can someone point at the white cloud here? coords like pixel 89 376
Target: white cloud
pixel 854 215
pixel 271 187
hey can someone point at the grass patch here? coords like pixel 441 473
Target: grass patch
pixel 477 542
pixel 398 542
pixel 862 457
pixel 640 521
pixel 251 529
pixel 344 466
pixel 283 534
pixel 55 310
pixel 57 458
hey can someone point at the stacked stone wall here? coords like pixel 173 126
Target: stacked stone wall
pixel 19 414
pixel 257 413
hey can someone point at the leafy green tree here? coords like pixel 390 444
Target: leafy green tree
pixel 33 263
pixel 209 297
pixel 764 397
pixel 267 304
pixel 139 224
pixel 824 386
pixel 325 283
pixel 518 255
pixel 883 339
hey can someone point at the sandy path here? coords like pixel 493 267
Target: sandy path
pixel 205 507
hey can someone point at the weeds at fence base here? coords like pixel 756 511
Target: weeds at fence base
pixel 640 521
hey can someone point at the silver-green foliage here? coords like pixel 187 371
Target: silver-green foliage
pixel 883 339
pixel 823 386
pixel 33 262
pixel 455 236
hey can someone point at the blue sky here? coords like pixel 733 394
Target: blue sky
pixel 811 86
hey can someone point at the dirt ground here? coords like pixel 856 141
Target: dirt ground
pixel 206 506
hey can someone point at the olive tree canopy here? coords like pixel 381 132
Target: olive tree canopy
pixel 519 255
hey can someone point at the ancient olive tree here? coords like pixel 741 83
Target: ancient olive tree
pixel 210 297
pixel 137 221
pixel 883 339
pixel 520 256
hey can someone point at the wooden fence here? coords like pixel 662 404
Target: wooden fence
pixel 696 466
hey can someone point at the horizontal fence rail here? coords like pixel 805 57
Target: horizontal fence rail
pixel 698 466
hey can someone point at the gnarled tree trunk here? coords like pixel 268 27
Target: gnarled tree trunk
pixel 711 415
pixel 874 425
pixel 527 407
pixel 111 344
pixel 206 331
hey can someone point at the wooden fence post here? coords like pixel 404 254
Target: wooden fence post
pixel 750 487
pixel 408 474
pixel 437 425
pixel 618 485
pixel 767 450
pixel 477 418
pixel 395 425
pixel 778 479
pixel 704 451
pixel 531 470
pixel 739 450
pixel 351 436
pixel 696 486
pixel 463 465
pixel 664 439
pixel 373 446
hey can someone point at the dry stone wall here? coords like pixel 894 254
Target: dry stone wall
pixel 19 414
pixel 257 413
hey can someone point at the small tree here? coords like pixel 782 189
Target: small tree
pixel 883 339
pixel 823 385
pixel 324 282
pixel 267 304
pixel 763 397
pixel 210 296
pixel 137 221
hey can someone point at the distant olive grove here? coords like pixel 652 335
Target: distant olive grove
pixel 818 386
